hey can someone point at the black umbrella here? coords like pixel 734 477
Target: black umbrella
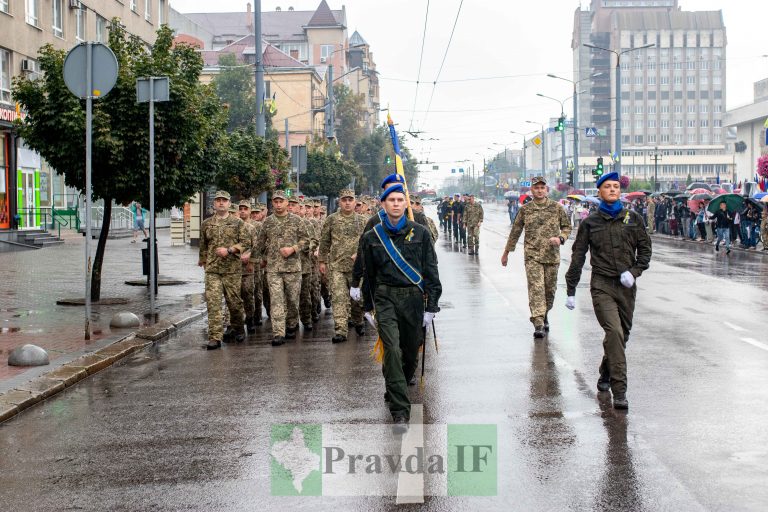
pixel 671 193
pixel 754 202
pixel 682 197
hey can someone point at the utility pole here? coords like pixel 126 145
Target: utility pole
pixel 575 130
pixel 656 159
pixel 261 120
pixel 329 112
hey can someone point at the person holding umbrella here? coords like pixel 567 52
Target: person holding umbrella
pixel 723 222
pixel 615 267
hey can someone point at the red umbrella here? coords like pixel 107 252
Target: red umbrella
pixel 523 198
pixel 699 191
pixel 635 195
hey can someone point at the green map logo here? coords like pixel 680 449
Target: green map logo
pixel 295 460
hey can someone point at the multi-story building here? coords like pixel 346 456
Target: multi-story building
pixel 26 182
pixel 313 41
pixel 751 123
pixel 672 94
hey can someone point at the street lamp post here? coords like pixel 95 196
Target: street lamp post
pixel 543 151
pixel 562 133
pixel 617 160
pixel 524 135
pixel 576 118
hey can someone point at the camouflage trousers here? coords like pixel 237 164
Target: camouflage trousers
pixel 258 279
pixel 325 293
pixel 265 293
pixel 246 293
pixel 305 299
pixel 315 292
pixel 284 289
pixel 542 283
pixel 344 307
pixel 473 235
pixel 226 287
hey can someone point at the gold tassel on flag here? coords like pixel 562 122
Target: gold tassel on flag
pixel 377 353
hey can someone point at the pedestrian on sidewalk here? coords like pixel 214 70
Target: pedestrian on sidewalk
pixel 139 217
pixel 546 227
pixel 723 224
pixel 223 238
pixel 402 285
pixel 615 267
pixel 749 223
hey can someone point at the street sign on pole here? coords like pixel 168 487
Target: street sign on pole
pixel 590 132
pixel 90 72
pixel 537 141
pixel 150 90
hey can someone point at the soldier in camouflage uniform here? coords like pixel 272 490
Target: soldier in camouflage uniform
pixel 312 216
pixel 282 239
pixel 473 217
pixel 297 208
pixel 338 250
pixel 223 238
pixel 250 263
pixel 418 208
pixel 257 220
pixel 546 228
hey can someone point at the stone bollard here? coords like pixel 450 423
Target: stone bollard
pixel 28 355
pixel 124 319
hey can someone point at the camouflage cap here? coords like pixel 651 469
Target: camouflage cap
pixel 221 194
pixel 256 208
pixel 347 192
pixel 415 198
pixel 293 199
pixel 244 202
pixel 279 194
pixel 232 208
pixel 538 179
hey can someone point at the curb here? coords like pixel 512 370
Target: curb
pixel 45 386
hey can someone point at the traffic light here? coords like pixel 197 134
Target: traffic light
pixel 560 124
pixel 597 172
pixel 387 160
pixel 570 177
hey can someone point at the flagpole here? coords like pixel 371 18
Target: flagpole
pixel 399 163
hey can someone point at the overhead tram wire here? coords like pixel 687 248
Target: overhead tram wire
pixel 440 70
pixel 421 60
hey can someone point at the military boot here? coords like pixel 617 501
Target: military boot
pixel 620 401
pixel 546 323
pixel 250 325
pixel 538 332
pixel 339 338
pixel 604 382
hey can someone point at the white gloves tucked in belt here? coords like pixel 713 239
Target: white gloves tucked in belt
pixel 355 294
pixel 570 302
pixel 627 279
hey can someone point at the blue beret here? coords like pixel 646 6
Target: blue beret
pixel 611 176
pixel 392 178
pixel 393 188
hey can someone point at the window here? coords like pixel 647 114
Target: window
pixel 651 109
pixel 664 80
pixel 57 25
pixel 639 80
pixel 664 66
pixel 161 12
pixel 625 109
pixel 665 109
pixel 101 29
pixel 651 138
pixel 678 109
pixel 624 80
pixel 691 80
pixel 704 123
pixel 704 64
pixel 134 5
pixel 665 123
pixel 625 124
pixel 638 109
pixel 678 123
pixel 704 108
pixel 717 123
pixel 297 51
pixel 651 123
pixel 717 137
pixel 80 24
pixel 704 80
pixel 651 66
pixel 692 108
pixel 651 80
pixel 678 80
pixel 691 64
pixel 33 12
pixel 664 138
pixel 326 51
pixel 716 79
pixel 692 138
pixel 5 76
pixel 4 6
pixel 639 124
pixel 718 108
pixel 691 123
pixel 638 139
pixel 147 10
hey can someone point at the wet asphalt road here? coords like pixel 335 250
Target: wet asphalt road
pixel 177 428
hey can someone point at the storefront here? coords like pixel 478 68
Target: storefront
pixel 8 176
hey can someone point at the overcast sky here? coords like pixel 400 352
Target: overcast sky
pixel 495 38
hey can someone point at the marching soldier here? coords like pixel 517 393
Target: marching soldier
pixel 418 208
pixel 257 220
pixel 615 267
pixel 282 239
pixel 546 228
pixel 400 275
pixel 305 298
pixel 250 262
pixel 764 228
pixel 457 208
pixel 338 250
pixel 473 217
pixel 223 238
pixel 315 276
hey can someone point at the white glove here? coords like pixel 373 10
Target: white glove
pixel 428 317
pixel 369 318
pixel 627 279
pixel 570 302
pixel 355 294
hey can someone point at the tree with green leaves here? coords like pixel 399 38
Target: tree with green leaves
pixel 189 128
pixel 252 165
pixel 327 171
pixel 350 114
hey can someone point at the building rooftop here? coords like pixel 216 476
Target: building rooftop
pixel 669 20
pixel 357 40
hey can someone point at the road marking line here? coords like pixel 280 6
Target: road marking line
pixel 735 327
pixel 410 487
pixel 755 343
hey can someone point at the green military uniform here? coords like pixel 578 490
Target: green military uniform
pixel 541 221
pixel 338 246
pixel 248 271
pixel 223 274
pixel 399 304
pixel 651 216
pixel 315 277
pixel 616 245
pixel 305 296
pixel 473 217
pixel 258 272
pixel 283 274
pixel 764 229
